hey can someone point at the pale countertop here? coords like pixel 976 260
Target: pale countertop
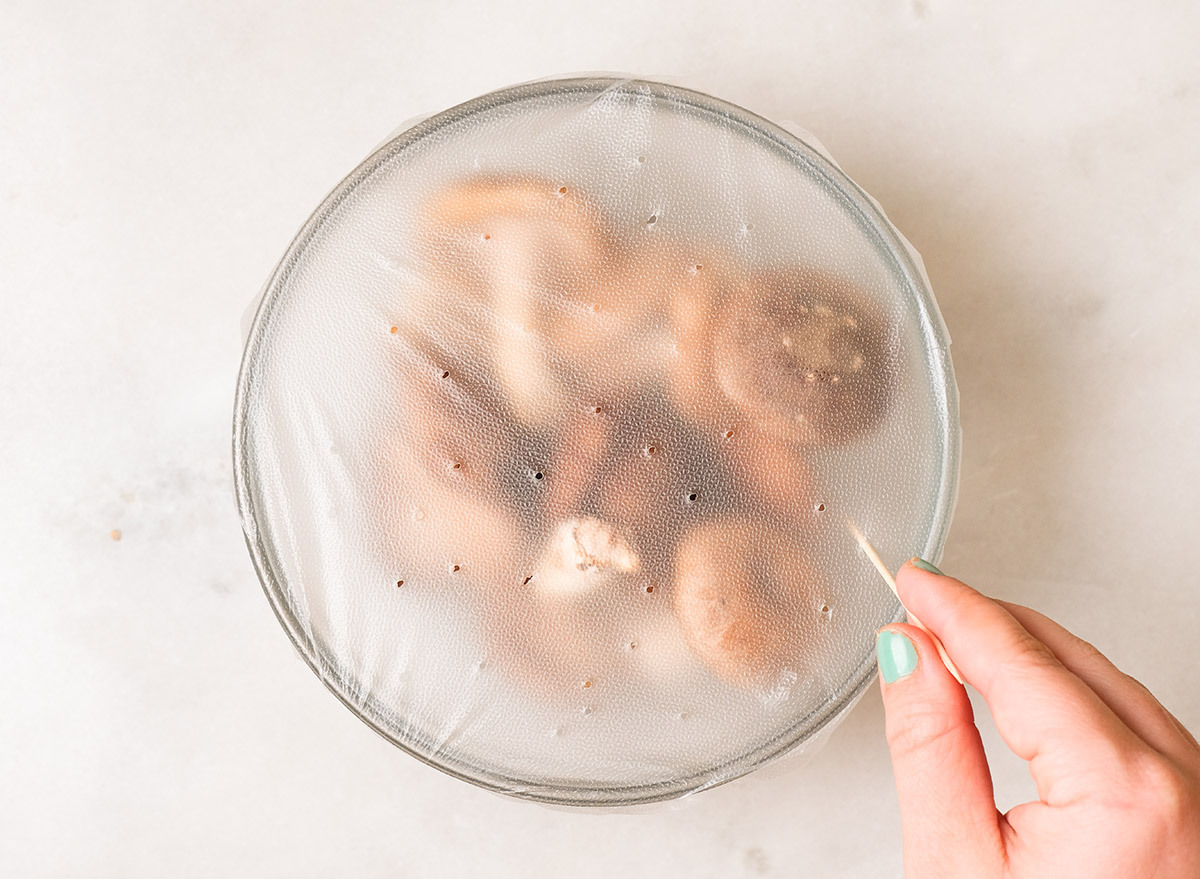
pixel 155 160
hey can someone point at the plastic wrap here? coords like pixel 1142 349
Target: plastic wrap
pixel 551 425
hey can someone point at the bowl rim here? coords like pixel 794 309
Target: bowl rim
pixel 861 206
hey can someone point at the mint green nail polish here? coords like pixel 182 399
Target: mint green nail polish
pixel 926 566
pixel 897 655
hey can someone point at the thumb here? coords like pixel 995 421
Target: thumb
pixel 947 808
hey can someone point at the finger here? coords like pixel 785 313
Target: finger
pixel 947 807
pixel 1128 698
pixel 1044 713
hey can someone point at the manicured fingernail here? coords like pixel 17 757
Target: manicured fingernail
pixel 897 655
pixel 926 566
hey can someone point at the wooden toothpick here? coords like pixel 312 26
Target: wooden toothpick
pixel 870 552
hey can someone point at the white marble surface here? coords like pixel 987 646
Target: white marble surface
pixel 155 160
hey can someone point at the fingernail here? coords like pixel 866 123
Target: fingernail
pixel 897 655
pixel 926 566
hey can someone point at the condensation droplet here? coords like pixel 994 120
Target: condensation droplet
pixel 587 710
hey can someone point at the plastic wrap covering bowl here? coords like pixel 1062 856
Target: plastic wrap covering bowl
pixel 552 425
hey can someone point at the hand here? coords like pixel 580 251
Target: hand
pixel 1118 777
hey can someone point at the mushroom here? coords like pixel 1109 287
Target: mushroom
pixel 769 467
pixel 553 630
pixel 534 257
pixel 455 421
pixel 737 587
pixel 584 555
pixel 805 357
